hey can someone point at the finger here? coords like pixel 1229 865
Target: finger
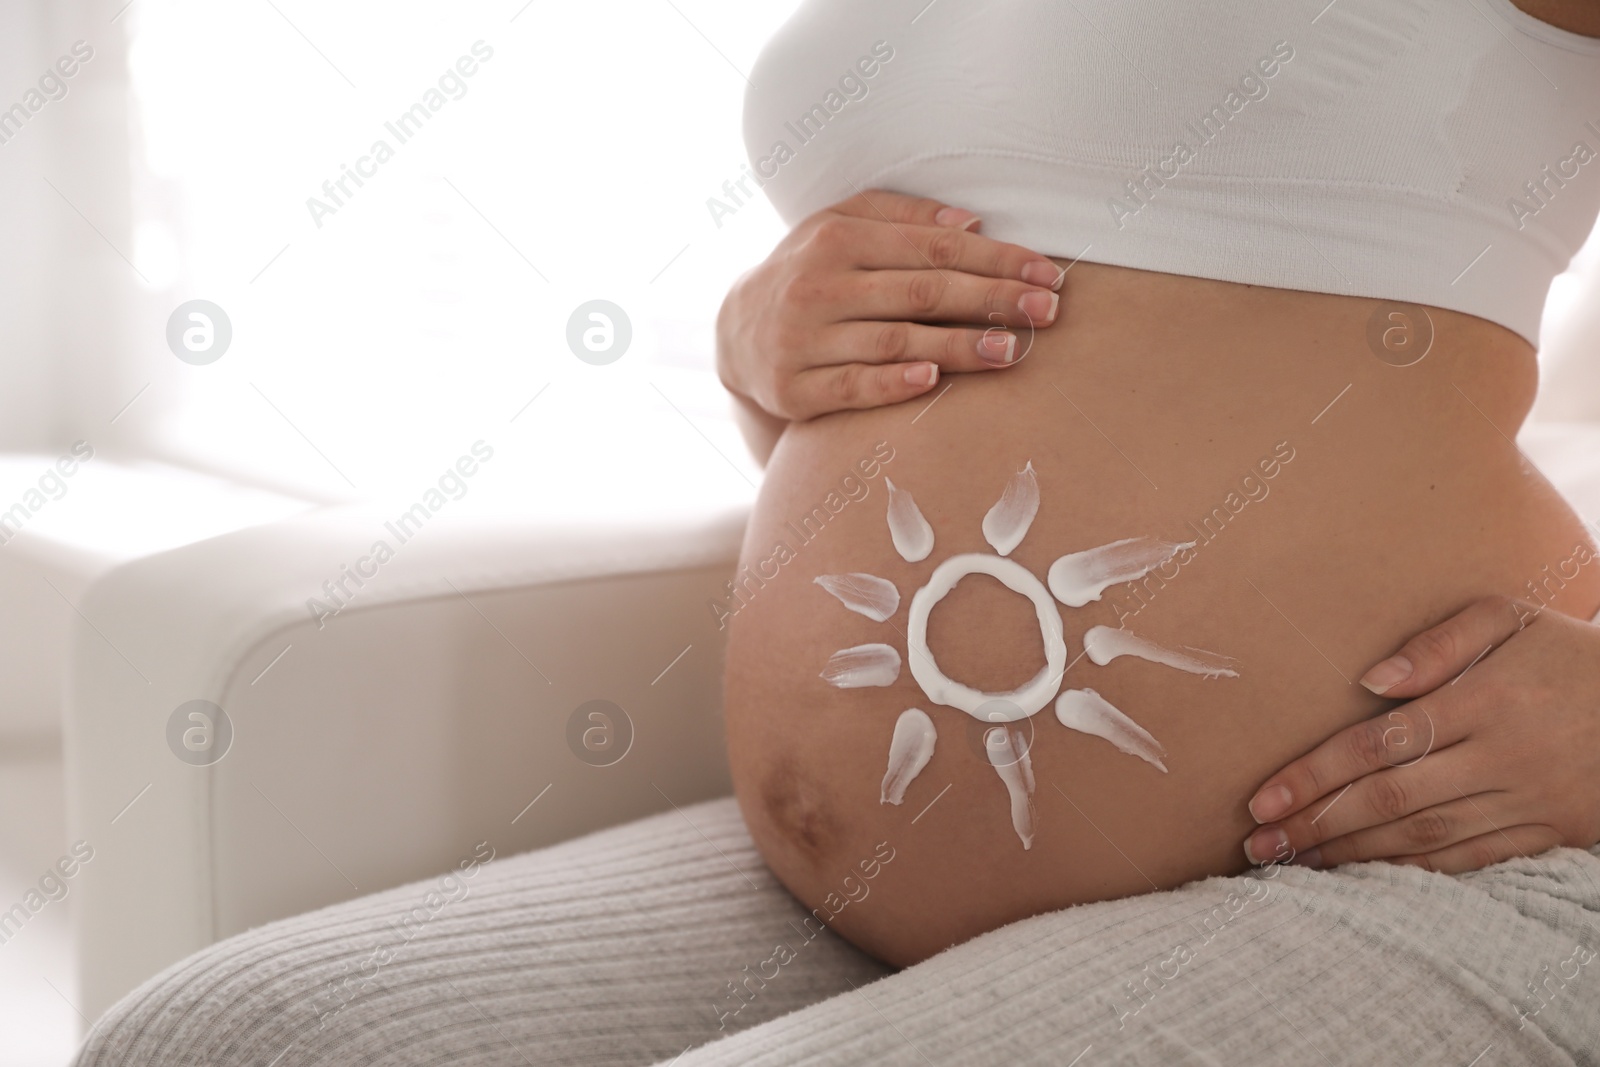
pixel 885 206
pixel 1429 830
pixel 955 349
pixel 943 297
pixel 850 386
pixel 1371 800
pixel 1392 739
pixel 871 245
pixel 1496 846
pixel 1444 652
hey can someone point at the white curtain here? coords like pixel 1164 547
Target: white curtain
pixel 66 288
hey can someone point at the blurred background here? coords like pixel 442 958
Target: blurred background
pixel 575 164
pixel 371 346
pixel 375 331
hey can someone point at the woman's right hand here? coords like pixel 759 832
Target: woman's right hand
pixel 865 302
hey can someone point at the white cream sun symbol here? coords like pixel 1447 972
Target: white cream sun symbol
pixel 1075 579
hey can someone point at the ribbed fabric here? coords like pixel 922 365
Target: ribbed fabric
pixel 1370 964
pixel 617 949
pixel 1439 152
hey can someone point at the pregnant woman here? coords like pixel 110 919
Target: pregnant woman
pixel 1138 386
pixel 1263 438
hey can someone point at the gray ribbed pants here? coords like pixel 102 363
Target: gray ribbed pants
pixel 667 940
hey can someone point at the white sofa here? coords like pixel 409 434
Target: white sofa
pixel 385 744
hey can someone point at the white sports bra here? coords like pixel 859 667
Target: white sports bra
pixel 1440 152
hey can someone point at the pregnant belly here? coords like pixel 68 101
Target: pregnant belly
pixel 1341 478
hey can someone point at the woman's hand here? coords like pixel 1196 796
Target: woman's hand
pixel 1496 755
pixel 863 304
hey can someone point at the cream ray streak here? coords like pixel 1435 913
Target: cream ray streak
pixel 1078 578
pixel 909 752
pixel 1088 712
pixel 1104 644
pixel 1007 749
pixel 864 594
pixel 1007 522
pixel 910 532
pixel 861 666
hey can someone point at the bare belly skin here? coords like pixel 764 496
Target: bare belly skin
pixel 1340 504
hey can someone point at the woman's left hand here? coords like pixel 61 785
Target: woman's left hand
pixel 1497 753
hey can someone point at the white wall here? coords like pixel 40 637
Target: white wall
pixel 1569 355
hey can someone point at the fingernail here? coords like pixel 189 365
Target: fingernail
pixel 922 375
pixel 1388 674
pixel 998 346
pixel 1265 845
pixel 1311 857
pixel 1270 803
pixel 960 218
pixel 1043 272
pixel 1039 307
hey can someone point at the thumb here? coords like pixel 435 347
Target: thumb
pixel 1437 655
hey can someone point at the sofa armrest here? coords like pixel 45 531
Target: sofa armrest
pixel 382 742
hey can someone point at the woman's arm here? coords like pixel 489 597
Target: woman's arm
pixel 865 303
pixel 1495 755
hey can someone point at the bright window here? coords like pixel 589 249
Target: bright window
pixel 512 161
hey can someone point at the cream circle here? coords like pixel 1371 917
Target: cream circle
pixel 941 688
